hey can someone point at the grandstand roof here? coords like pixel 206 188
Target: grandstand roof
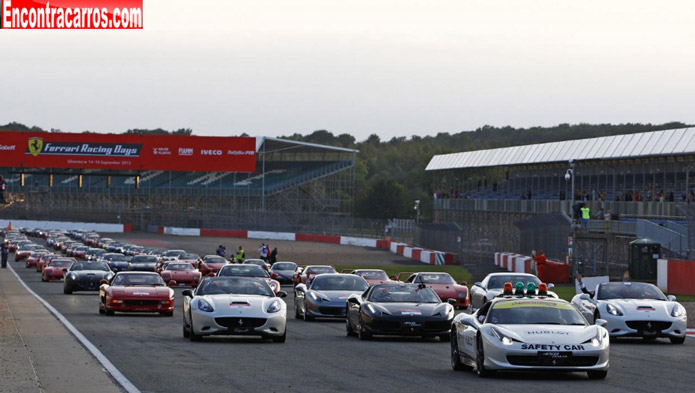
pixel 277 144
pixel 646 144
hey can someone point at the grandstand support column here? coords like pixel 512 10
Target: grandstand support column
pixel 263 181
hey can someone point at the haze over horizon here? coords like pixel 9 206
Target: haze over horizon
pixel 394 68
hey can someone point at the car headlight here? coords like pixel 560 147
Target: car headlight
pixel 613 310
pixel 372 310
pixel 73 276
pixel 203 305
pixel 274 307
pixel 502 337
pixel 317 298
pixel 678 311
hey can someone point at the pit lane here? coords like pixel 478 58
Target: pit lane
pixel 151 352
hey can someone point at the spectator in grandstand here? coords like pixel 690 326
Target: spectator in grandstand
pixel 3 185
pixel 263 250
pixel 221 251
pixel 5 251
pixel 240 255
pixel 600 215
pixel 274 255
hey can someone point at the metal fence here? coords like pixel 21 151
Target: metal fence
pixel 669 239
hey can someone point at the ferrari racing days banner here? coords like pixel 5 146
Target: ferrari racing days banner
pixel 127 152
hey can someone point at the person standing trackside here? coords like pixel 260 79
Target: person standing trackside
pixel 263 250
pixel 274 256
pixel 240 255
pixel 5 251
pixel 221 251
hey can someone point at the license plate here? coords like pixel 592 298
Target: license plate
pixel 241 330
pixel 552 355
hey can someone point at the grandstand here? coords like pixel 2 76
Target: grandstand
pixel 296 185
pixel 642 181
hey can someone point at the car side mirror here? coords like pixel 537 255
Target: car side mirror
pixel 478 284
pixel 104 282
pixel 187 292
pixel 601 322
pixel 671 298
pixel 172 283
pixel 282 294
pixel 481 318
pixel 585 297
pixel 274 275
pixel 451 301
pixel 464 283
pixel 551 285
pixel 352 300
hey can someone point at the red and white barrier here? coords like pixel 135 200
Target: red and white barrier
pixel 85 226
pixel 429 257
pixel 553 271
pixel 675 276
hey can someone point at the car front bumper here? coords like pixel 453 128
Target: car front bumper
pixel 590 358
pixel 406 326
pixel 207 324
pixel 662 327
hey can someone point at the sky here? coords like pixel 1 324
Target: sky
pixel 386 67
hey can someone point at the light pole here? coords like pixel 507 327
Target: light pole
pixel 569 175
pixel 417 211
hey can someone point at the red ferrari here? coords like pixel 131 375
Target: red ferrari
pixel 442 284
pixel 53 271
pixel 33 258
pixel 43 260
pixel 136 292
pixel 372 276
pixel 304 276
pixel 181 274
pixel 209 265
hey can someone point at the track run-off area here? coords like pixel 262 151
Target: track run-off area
pixel 151 352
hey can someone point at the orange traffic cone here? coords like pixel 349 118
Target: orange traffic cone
pixel 9 226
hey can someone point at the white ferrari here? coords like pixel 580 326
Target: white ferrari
pixel 634 309
pixel 234 306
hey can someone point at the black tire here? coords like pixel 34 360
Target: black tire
pixel 101 310
pixel 67 290
pixel 109 312
pixel 677 340
pixel 192 335
pixel 597 374
pixel 348 326
pixel 307 317
pixel 480 361
pixel 43 279
pixel 597 315
pixel 456 362
pixel 281 339
pixel 186 333
pixel 363 334
pixel 297 315
pixel 444 338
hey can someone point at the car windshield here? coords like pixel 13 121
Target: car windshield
pixel 234 286
pixel 284 266
pixel 215 260
pixel 403 294
pixel 99 252
pixel 144 259
pixel 346 282
pixel 179 266
pixel 243 271
pixel 534 312
pixel 188 256
pixel 435 278
pixel 173 253
pixel 90 266
pixel 117 258
pixel 138 279
pixel 372 274
pixel 629 290
pixel 319 270
pixel 497 281
pixel 60 263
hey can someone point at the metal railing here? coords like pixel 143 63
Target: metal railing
pixel 672 240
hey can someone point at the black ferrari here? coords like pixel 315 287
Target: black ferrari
pixel 399 309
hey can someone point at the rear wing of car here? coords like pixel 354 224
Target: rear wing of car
pixel 399 275
pixel 347 271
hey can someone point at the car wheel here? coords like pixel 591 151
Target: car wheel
pixel 109 312
pixel 480 361
pixel 101 310
pixel 597 374
pixel 43 279
pixel 186 333
pixel 281 339
pixel 597 315
pixel 348 327
pixel 297 315
pixel 677 340
pixel 363 334
pixel 67 290
pixel 456 362
pixel 192 335
pixel 307 317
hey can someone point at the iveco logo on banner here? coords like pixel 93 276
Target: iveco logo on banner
pixel 36 146
pixel 211 152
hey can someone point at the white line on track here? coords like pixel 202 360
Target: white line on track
pixel 115 373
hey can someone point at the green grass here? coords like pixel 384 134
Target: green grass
pixel 459 273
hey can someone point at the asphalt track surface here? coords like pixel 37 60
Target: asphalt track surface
pixel 151 351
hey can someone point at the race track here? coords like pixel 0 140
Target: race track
pixel 151 351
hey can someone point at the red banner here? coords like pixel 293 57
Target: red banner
pixel 127 152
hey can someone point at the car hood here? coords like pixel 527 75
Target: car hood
pixel 643 309
pixel 118 263
pixel 450 289
pixel 239 304
pixel 98 273
pixel 137 291
pixel 336 296
pixel 181 273
pixel 548 334
pixel 412 309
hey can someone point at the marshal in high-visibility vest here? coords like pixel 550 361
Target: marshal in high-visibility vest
pixel 585 213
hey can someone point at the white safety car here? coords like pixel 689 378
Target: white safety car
pixel 234 306
pixel 529 333
pixel 493 285
pixel 634 309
